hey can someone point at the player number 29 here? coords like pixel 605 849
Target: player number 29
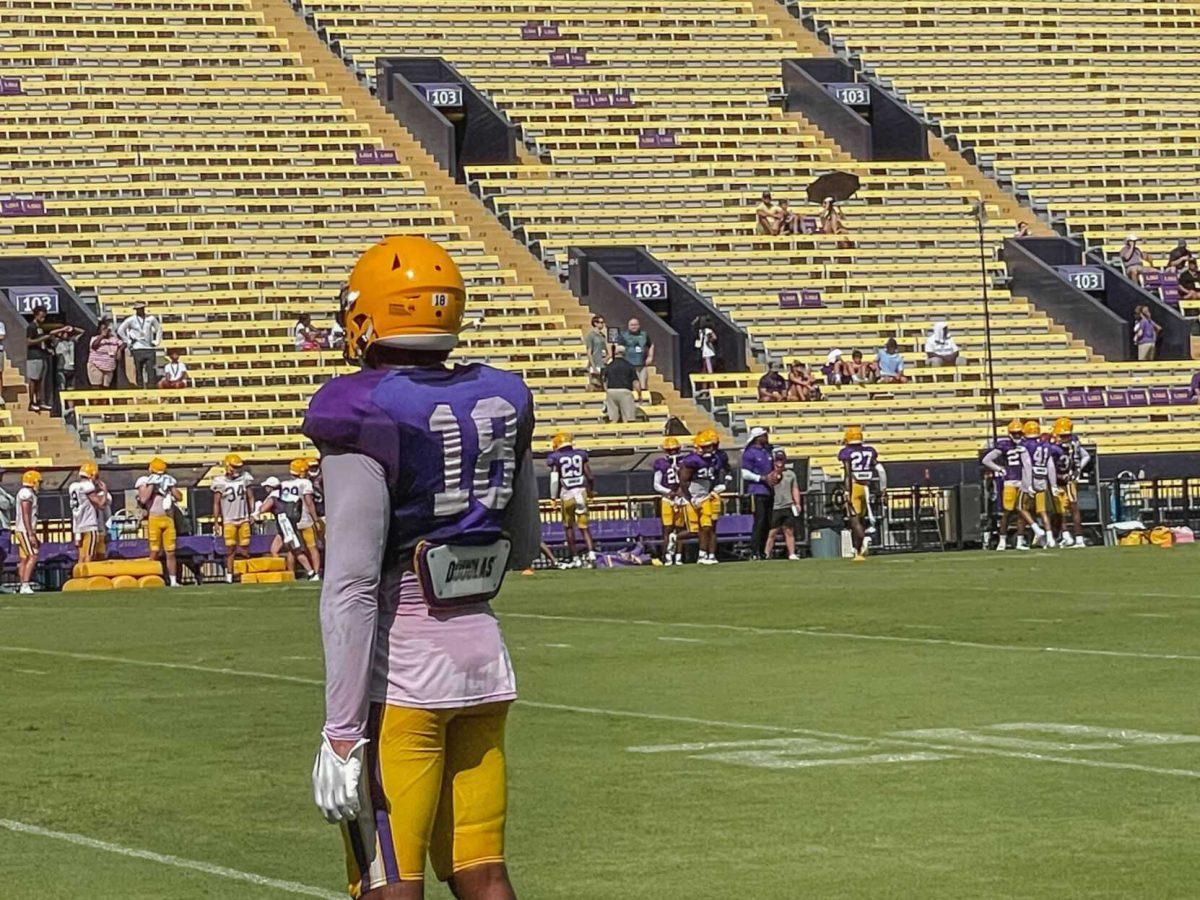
pixel 454 498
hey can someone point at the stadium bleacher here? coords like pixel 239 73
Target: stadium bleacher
pixel 704 71
pixel 1099 130
pixel 188 157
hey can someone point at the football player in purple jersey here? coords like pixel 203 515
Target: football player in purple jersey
pixel 671 500
pixel 1009 461
pixel 572 485
pixel 703 478
pixel 863 472
pixel 430 496
pixel 1075 459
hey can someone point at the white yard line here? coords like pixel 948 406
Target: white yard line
pixel 682 640
pixel 852 636
pixel 177 862
pixel 124 660
pixel 657 717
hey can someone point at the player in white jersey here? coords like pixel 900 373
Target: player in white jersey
pixel 285 513
pixel 88 497
pixel 297 494
pixel 233 498
pixel 157 495
pixel 25 529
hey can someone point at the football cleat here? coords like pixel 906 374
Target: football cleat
pixel 858 557
pixel 1066 540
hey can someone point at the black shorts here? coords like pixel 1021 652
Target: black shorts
pixel 783 518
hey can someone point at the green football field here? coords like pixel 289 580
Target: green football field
pixel 1017 725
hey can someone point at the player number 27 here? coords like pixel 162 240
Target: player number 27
pixel 491 490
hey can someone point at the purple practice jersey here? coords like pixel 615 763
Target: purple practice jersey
pixel 1013 455
pixel 709 470
pixel 667 467
pixel 859 461
pixel 1039 460
pixel 449 441
pixel 568 463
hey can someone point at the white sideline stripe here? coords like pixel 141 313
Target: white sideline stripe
pixel 177 862
pixel 854 636
pixel 656 717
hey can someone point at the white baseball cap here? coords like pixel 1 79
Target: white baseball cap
pixel 1132 238
pixel 755 433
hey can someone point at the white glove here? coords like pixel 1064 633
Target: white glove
pixel 338 785
pixel 795 510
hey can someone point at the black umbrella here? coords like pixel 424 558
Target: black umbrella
pixel 838 185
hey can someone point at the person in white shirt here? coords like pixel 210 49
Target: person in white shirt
pixel 157 494
pixel 940 348
pixel 233 498
pixel 88 496
pixel 297 495
pixel 175 373
pixel 142 334
pixel 25 529
pixel 286 515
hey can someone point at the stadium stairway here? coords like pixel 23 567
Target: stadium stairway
pixel 467 208
pixel 33 440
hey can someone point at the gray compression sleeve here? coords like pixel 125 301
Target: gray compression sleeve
pixel 357 511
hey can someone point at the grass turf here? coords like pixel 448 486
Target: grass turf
pixel 801 673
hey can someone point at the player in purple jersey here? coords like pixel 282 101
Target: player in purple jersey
pixel 671 500
pixel 863 472
pixel 1009 461
pixel 703 477
pixel 1044 479
pixel 1074 460
pixel 430 496
pixel 572 485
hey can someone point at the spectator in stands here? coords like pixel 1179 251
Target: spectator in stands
pixel 175 373
pixel 891 363
pixel 639 352
pixel 305 336
pixel 802 386
pixel 63 348
pixel 1022 230
pixel 767 215
pixel 786 513
pixel 772 387
pixel 3 360
pixel 1189 281
pixel 831 218
pixel 940 348
pixel 142 334
pixel 103 353
pixel 1135 261
pixel 336 337
pixel 1178 258
pixel 789 222
pixel 37 357
pixel 862 371
pixel 596 344
pixel 706 342
pixel 836 370
pixel 1145 333
pixel 1195 386
pixel 619 379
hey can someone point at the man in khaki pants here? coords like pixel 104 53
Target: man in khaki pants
pixel 619 379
